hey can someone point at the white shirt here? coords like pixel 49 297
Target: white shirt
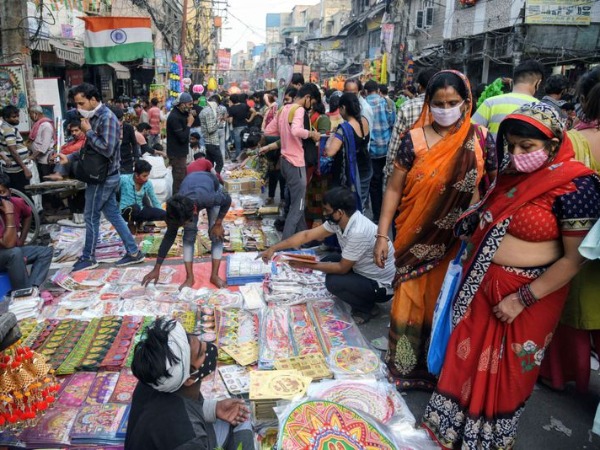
pixel 357 241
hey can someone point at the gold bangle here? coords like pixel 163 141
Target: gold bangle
pixel 387 238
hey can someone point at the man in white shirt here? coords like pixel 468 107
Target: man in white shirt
pixel 352 276
pixel 41 140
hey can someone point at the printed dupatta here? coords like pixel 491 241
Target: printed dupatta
pixel 350 164
pixel 495 213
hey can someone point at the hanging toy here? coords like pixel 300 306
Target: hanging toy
pixel 27 386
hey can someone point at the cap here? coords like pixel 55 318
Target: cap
pixel 36 108
pixel 185 98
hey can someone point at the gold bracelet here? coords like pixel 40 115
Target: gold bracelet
pixel 387 238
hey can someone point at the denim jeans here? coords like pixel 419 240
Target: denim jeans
pixel 14 261
pixel 237 140
pixel 190 231
pixel 101 198
pixel 365 172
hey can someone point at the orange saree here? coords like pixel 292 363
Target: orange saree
pixel 440 184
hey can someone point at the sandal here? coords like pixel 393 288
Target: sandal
pixel 361 317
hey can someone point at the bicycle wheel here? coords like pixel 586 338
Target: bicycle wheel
pixel 36 223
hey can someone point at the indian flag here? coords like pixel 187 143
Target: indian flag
pixel 117 39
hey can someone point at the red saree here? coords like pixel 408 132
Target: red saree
pixel 491 367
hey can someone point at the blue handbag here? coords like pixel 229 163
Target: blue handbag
pixel 441 327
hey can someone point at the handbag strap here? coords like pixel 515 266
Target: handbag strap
pixel 461 250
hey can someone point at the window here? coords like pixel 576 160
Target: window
pixel 375 39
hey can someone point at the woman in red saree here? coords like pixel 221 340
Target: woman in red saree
pixel 437 174
pixel 521 256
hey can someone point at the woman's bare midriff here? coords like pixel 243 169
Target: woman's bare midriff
pixel 516 252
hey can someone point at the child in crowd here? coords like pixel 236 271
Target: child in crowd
pixel 138 202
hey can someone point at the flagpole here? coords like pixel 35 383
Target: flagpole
pixel 183 34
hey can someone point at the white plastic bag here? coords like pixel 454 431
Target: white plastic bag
pixel 590 247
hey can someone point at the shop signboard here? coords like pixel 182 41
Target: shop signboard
pixel 558 12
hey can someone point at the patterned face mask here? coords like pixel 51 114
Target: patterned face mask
pixel 210 363
pixel 530 162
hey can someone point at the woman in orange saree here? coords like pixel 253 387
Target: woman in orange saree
pixel 441 166
pixel 521 255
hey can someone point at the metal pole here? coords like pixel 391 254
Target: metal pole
pixel 183 34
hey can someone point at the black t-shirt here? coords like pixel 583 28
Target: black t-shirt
pixel 129 149
pixel 239 114
pixel 198 110
pixel 160 421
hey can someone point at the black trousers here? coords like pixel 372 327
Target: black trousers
pixel 275 177
pixel 376 188
pixel 135 214
pixel 213 154
pixel 360 292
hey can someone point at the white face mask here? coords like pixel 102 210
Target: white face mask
pixel 447 116
pixel 89 114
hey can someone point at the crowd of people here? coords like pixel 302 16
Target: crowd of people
pixel 503 178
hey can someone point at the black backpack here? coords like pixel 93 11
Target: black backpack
pixel 250 137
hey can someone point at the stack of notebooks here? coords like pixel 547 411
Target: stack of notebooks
pixel 267 387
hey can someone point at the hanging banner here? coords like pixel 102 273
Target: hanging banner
pixel 387 36
pixel 224 59
pixel 14 92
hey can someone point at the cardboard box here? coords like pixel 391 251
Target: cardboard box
pixel 243 186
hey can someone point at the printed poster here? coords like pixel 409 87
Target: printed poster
pixel 158 91
pixel 13 91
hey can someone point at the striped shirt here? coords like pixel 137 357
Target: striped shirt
pixel 357 242
pixel 493 110
pixel 9 136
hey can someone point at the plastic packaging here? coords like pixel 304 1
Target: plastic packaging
pixel 379 399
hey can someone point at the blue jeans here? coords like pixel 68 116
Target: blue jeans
pixel 365 172
pixel 190 231
pixel 237 140
pixel 14 261
pixel 101 198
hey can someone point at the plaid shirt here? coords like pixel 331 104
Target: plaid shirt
pixel 209 124
pixel 380 131
pixel 105 137
pixel 408 114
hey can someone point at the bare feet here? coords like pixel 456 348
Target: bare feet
pixel 217 281
pixel 54 177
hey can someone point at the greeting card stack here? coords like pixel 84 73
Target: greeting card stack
pixel 100 425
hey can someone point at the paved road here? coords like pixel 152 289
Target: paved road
pixel 575 411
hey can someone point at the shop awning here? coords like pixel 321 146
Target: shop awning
pixel 68 52
pixel 121 71
pixel 41 45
